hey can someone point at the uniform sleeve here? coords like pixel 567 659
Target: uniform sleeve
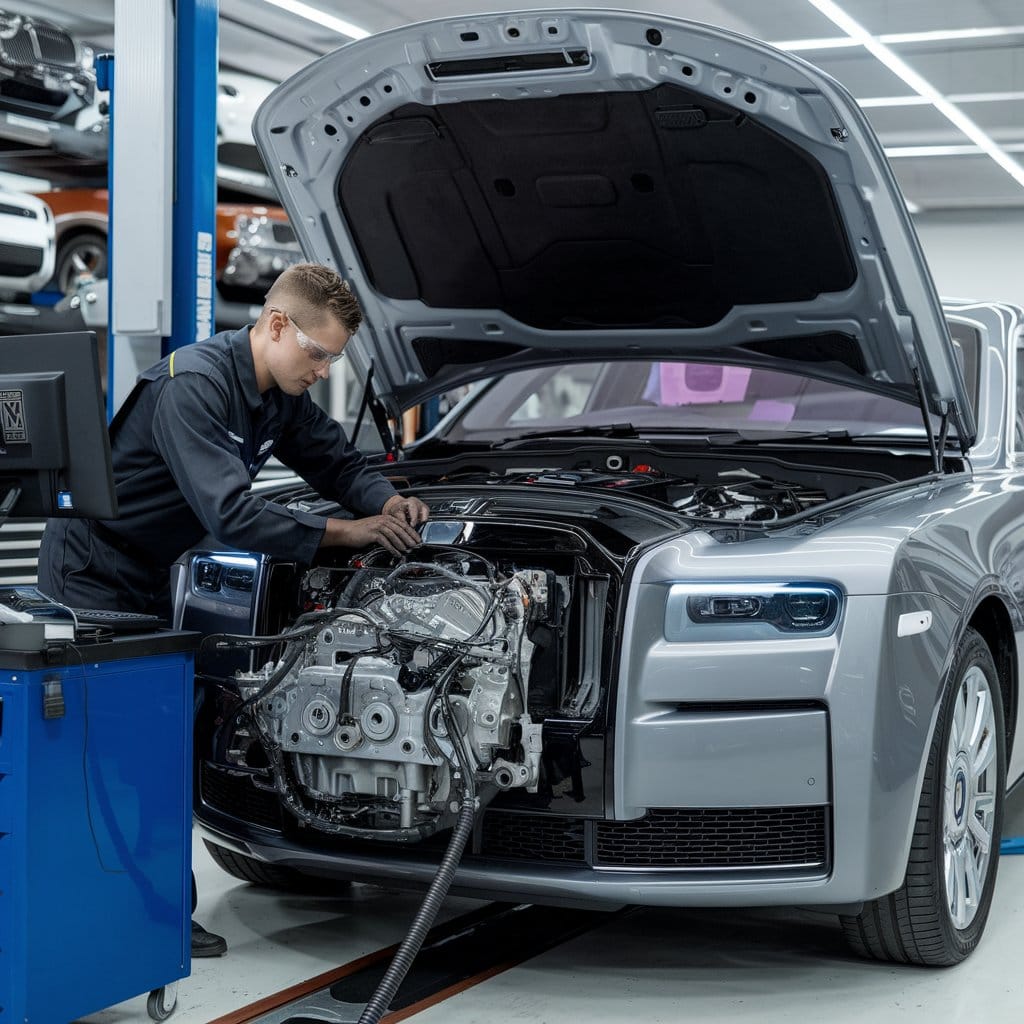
pixel 190 431
pixel 315 446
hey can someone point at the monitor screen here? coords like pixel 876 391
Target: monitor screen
pixel 54 446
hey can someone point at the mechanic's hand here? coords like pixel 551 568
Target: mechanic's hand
pixel 386 531
pixel 409 510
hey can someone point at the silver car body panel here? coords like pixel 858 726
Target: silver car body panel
pixel 310 125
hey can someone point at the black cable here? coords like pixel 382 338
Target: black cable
pixel 461 764
pixel 305 625
pixel 85 766
pixel 378 1003
pixel 284 667
pixel 462 580
pixel 346 686
pixel 403 959
pixel 394 976
pixel 238 640
pixel 454 549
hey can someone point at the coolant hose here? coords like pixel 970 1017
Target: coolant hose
pixel 424 919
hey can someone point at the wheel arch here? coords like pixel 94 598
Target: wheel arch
pixel 991 618
pixel 68 225
pixel 81 227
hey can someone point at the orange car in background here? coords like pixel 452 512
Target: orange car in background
pixel 254 243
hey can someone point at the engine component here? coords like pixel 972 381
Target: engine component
pixel 414 672
pixel 755 501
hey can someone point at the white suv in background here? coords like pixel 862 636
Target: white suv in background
pixel 26 243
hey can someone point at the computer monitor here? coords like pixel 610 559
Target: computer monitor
pixel 54 445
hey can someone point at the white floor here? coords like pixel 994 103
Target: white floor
pixel 651 965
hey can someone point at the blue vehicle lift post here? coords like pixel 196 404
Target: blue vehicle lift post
pixel 95 746
pixel 162 183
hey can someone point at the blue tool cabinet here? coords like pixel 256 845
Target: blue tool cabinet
pixel 95 824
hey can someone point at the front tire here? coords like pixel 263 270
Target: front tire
pixel 83 254
pixel 270 876
pixel 936 918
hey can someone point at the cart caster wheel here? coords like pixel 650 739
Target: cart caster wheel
pixel 162 1001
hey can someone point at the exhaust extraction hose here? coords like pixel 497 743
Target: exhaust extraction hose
pixel 424 919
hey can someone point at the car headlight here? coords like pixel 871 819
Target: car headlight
pixel 750 611
pixel 10 25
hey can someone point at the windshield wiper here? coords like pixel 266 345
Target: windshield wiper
pixel 611 430
pixel 774 436
pixel 709 435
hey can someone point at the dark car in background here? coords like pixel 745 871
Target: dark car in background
pixel 44 72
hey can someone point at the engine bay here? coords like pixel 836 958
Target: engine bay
pixel 747 498
pixel 486 653
pixel 400 677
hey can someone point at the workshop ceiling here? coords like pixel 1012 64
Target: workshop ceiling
pixel 942 80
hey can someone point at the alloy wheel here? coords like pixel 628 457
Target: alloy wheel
pixel 969 797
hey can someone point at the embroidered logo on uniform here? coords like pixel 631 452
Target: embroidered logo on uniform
pixel 266 446
pixel 236 438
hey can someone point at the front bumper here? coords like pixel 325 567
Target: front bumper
pixel 735 778
pixel 499 879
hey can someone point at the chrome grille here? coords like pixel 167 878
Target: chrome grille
pixel 688 839
pixel 55 46
pixel 18 49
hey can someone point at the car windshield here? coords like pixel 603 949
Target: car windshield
pixel 669 396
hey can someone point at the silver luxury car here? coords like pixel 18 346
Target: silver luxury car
pixel 720 599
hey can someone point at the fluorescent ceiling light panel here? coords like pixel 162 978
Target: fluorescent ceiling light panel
pixel 985 97
pixel 940 36
pixel 827 43
pixel 894 101
pixel 961 97
pixel 339 25
pixel 964 149
pixel 921 86
pixel 948 35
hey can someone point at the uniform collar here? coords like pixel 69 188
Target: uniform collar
pixel 242 351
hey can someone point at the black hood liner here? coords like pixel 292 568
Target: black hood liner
pixel 654 209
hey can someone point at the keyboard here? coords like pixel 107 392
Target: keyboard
pixel 119 622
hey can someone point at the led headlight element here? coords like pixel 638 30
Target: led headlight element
pixel 750 611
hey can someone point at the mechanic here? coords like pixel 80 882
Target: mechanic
pixel 186 444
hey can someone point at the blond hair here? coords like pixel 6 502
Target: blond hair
pixel 309 292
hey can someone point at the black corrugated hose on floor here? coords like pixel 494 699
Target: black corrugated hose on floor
pixel 395 974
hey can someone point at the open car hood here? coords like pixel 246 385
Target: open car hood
pixel 505 191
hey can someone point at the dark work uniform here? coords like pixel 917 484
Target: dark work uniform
pixel 185 447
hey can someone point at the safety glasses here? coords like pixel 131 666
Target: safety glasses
pixel 315 352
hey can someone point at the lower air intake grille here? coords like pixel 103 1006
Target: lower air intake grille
pixel 532 837
pixel 19 260
pixel 235 794
pixel 758 837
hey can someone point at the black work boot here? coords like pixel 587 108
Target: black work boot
pixel 205 943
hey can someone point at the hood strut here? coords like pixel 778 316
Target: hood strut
pixel 371 402
pixel 949 409
pixel 922 399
